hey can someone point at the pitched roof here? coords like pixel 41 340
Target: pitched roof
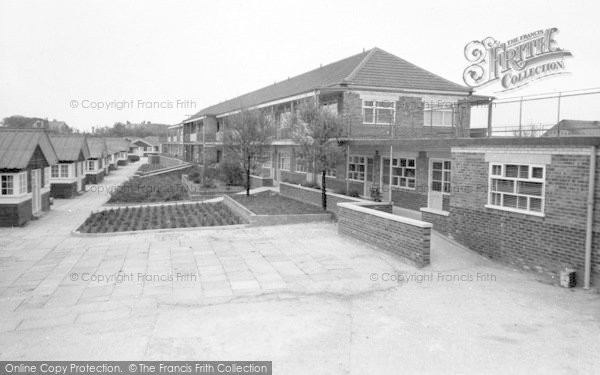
pixel 151 141
pixel 115 145
pixel 18 145
pixel 68 147
pixel 375 67
pixel 97 147
pixel 575 127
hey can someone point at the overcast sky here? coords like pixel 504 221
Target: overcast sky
pixel 56 52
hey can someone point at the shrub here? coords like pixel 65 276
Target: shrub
pixel 354 194
pixel 231 174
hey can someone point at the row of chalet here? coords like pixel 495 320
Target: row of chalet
pixel 36 165
pixel 408 140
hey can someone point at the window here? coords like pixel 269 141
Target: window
pixel 517 187
pixel 356 168
pixel 378 112
pixel 440 117
pixel 404 173
pixel 331 107
pixel 266 160
pixel 23 183
pixel 64 170
pixel 91 165
pixel 440 176
pixel 284 161
pixel 300 165
pixel 7 184
pixel 54 171
pixel 285 119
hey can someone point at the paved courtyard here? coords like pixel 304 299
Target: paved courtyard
pixel 299 295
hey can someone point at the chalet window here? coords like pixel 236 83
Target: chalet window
pixel 517 187
pixel 7 184
pixel 440 176
pixel 91 165
pixel 23 183
pixel 64 170
pixel 55 172
pixel 284 161
pixel 440 117
pixel 331 107
pixel 404 172
pixel 379 112
pixel 356 168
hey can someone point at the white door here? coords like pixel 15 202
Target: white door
pixel 79 175
pixel 36 200
pixel 368 177
pixel 439 182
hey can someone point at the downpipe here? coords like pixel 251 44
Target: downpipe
pixel 590 220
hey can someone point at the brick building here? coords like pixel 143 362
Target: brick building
pixel 407 140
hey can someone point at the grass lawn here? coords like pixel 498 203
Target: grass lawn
pixel 159 217
pixel 164 187
pixel 271 203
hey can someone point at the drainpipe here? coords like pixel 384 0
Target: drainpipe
pixel 590 219
pixel 347 166
pixel 390 175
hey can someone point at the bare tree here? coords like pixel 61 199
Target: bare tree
pixel 317 131
pixel 245 137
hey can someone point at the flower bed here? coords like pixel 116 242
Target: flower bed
pixel 149 167
pixel 271 203
pixel 160 188
pixel 159 217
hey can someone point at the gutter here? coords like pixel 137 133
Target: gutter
pixel 590 219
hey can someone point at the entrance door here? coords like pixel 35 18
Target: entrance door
pixel 439 182
pixel 36 200
pixel 368 177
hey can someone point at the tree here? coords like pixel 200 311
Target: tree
pixel 245 136
pixel 317 131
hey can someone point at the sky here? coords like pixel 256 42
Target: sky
pixel 162 61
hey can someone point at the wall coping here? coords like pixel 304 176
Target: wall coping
pixel 360 207
pixel 261 177
pixel 358 200
pixel 434 211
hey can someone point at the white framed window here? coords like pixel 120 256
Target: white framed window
pixel 331 107
pixel 267 160
pixel 91 165
pixel 7 184
pixel 55 171
pixel 441 176
pixel 64 170
pixel 404 173
pixel 379 112
pixel 517 187
pixel 23 183
pixel 284 160
pixel 300 165
pixel 437 117
pixel 356 167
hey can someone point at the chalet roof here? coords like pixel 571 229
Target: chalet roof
pixel 374 68
pixel 575 128
pixel 115 145
pixel 97 147
pixel 69 146
pixel 18 145
pixel 150 141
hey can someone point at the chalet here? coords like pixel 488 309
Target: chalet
pixel 142 147
pixel 26 156
pixel 117 152
pixel 67 177
pixel 574 128
pixel 96 165
pixel 407 139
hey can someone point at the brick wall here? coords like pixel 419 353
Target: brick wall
pixel 544 244
pixel 63 190
pixel 256 181
pixel 406 238
pixel 94 178
pixel 15 215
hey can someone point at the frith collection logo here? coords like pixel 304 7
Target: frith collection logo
pixel 515 63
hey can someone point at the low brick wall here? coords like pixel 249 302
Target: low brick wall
pixel 439 219
pixel 258 181
pixel 15 215
pixel 409 239
pixel 122 162
pixel 260 220
pixel 167 161
pixel 95 178
pixel 63 190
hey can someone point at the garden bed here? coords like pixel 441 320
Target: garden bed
pixel 164 187
pixel 271 203
pixel 159 217
pixel 144 168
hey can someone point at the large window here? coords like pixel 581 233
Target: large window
pixel 517 187
pixel 23 183
pixel 331 107
pixel 64 170
pixel 356 168
pixel 91 165
pixel 404 173
pixel 437 117
pixel 300 165
pixel 55 171
pixel 7 184
pixel 378 112
pixel 284 161
pixel 440 176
